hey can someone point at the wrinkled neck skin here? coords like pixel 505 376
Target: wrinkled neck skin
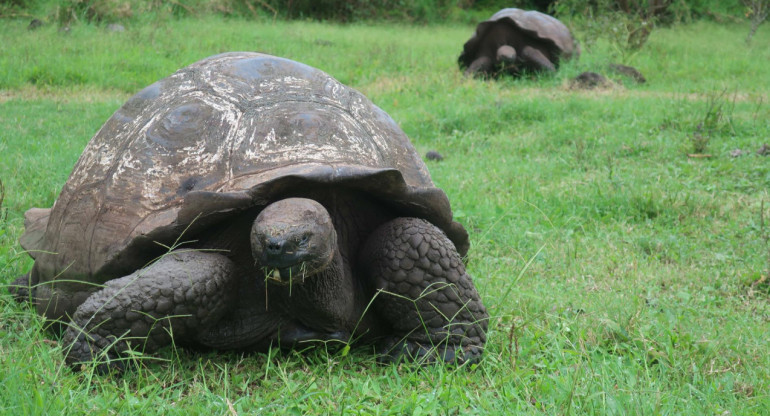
pixel 323 302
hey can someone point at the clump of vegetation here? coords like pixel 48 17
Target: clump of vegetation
pixel 758 282
pixel 718 116
pixel 699 140
pixel 637 17
pixel 2 198
pixel 16 8
pixel 626 24
pixel 104 11
pixel 757 11
pixel 98 11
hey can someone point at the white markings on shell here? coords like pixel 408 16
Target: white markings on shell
pixel 277 135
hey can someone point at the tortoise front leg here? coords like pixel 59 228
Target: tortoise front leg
pixel 537 59
pixel 480 66
pixel 22 288
pixel 174 298
pixel 424 293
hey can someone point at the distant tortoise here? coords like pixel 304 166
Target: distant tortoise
pixel 513 41
pixel 273 205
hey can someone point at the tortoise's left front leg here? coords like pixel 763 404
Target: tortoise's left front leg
pixel 537 59
pixel 424 293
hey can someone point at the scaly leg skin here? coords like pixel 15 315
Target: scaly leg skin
pixel 424 293
pixel 175 297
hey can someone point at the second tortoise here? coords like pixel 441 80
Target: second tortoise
pixel 514 41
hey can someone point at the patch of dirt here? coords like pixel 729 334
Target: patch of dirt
pixel 63 95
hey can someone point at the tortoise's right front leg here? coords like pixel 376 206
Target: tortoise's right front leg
pixel 22 288
pixel 174 298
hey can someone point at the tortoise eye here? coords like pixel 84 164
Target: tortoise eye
pixel 304 239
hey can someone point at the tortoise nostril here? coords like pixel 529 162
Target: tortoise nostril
pixel 274 246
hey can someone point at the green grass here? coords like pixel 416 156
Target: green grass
pixel 623 276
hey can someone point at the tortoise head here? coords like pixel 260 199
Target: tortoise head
pixel 293 239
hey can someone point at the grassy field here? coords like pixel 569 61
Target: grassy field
pixel 624 274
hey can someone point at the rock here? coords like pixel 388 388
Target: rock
pixel 116 27
pixel 434 155
pixel 628 71
pixel 34 24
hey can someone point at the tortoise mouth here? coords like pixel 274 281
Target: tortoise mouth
pixel 294 269
pixel 286 275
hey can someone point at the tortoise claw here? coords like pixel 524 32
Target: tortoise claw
pixel 20 289
pixel 396 351
pixel 84 350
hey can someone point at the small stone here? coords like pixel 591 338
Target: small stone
pixel 34 24
pixel 434 155
pixel 116 27
pixel 629 71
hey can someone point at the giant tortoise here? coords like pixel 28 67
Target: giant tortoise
pixel 249 201
pixel 514 41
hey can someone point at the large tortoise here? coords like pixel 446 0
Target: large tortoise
pixel 247 201
pixel 513 41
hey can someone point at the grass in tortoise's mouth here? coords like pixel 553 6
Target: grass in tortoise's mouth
pixel 286 275
pixel 286 272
